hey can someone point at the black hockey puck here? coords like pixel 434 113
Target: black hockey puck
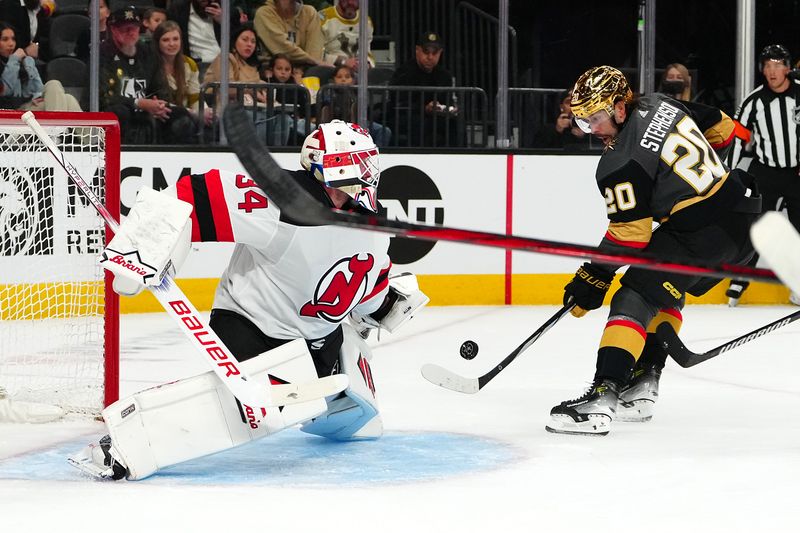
pixel 469 349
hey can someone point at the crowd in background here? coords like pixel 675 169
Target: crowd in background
pixel 292 64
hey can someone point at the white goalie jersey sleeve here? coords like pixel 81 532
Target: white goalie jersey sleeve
pixel 290 280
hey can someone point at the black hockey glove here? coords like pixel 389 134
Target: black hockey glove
pixel 588 288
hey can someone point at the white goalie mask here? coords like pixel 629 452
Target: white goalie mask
pixel 343 155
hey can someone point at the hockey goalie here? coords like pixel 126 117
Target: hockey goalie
pixel 280 307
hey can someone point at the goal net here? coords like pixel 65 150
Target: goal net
pixel 58 314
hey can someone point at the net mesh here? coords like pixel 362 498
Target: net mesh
pixel 52 292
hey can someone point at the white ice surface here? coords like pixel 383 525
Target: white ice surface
pixel 721 454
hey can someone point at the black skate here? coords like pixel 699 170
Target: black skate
pixel 637 399
pixel 99 460
pixel 735 291
pixel 591 414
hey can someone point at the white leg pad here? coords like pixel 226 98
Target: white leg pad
pixel 198 416
pixel 353 415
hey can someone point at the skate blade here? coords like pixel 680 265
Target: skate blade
pixel 568 432
pixel 629 412
pixel 634 419
pixel 83 461
pixel 597 425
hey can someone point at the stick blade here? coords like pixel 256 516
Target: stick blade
pixel 449 380
pixel 778 242
pixel 676 349
pixel 292 393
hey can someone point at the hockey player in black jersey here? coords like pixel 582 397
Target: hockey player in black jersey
pixel 659 166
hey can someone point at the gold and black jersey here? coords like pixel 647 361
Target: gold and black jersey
pixel 662 167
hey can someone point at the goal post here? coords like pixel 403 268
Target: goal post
pixel 59 317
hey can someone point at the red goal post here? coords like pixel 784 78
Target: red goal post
pixel 59 317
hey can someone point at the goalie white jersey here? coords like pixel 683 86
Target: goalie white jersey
pixel 289 280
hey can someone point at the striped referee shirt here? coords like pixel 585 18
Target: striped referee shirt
pixel 774 119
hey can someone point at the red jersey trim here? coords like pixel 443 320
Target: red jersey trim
pixel 219 208
pixel 383 283
pixel 628 324
pixel 185 193
pixel 629 244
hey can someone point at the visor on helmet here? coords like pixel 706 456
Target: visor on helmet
pixel 598 117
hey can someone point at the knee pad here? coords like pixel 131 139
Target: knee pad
pixel 353 414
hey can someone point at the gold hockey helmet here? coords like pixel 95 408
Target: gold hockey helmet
pixel 599 88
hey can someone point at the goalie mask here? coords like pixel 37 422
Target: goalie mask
pixel 598 89
pixel 343 155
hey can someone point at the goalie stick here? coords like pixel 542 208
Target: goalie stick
pixel 203 339
pixel 299 205
pixel 687 358
pixel 450 380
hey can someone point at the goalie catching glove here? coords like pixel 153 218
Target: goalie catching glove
pixel 587 289
pixel 402 300
pixel 152 242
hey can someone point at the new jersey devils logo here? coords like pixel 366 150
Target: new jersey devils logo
pixel 340 289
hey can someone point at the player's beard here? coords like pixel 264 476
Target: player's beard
pixel 32 4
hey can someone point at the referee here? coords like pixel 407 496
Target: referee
pixel 772 114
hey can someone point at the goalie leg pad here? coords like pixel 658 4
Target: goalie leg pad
pixel 354 414
pixel 198 416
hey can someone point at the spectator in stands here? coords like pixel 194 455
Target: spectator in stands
pixel 127 85
pixel 21 85
pixel 31 22
pixel 291 28
pixel 200 25
pixel 150 20
pixel 243 68
pixel 82 45
pixel 564 133
pixel 289 106
pixel 340 34
pixel 342 103
pixel 179 77
pixel 676 82
pixel 436 125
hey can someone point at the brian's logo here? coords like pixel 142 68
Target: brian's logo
pixel 340 289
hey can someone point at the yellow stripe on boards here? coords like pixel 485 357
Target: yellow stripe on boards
pixel 38 301
pixel 34 301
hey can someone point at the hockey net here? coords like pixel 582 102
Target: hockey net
pixel 58 314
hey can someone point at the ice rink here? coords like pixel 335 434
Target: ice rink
pixel 721 454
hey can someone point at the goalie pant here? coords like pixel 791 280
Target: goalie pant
pixel 198 416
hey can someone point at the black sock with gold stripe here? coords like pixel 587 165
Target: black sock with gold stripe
pixel 614 363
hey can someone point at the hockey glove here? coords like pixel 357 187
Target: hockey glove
pixel 152 241
pixel 587 289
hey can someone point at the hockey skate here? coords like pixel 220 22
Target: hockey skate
pixel 638 398
pixel 99 461
pixel 734 292
pixel 591 414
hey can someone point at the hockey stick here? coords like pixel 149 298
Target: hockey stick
pixel 202 337
pixel 299 205
pixel 687 358
pixel 450 380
